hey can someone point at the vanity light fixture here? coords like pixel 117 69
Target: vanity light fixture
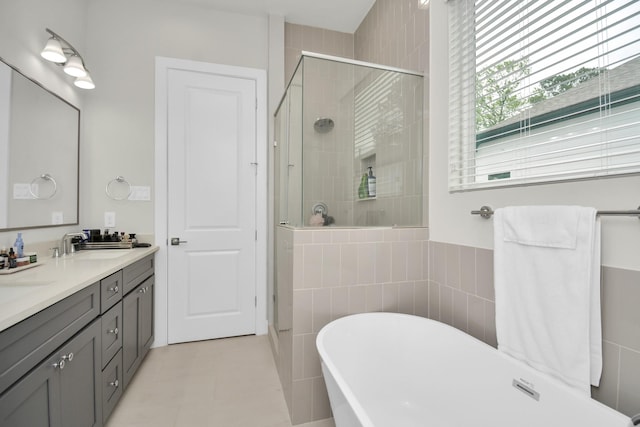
pixel 74 67
pixel 61 52
pixel 84 82
pixel 53 51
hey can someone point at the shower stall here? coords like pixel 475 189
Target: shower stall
pixel 348 209
pixel 339 122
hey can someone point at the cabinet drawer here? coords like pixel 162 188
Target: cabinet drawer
pixel 136 273
pixel 111 385
pixel 27 343
pixel 111 332
pixel 111 290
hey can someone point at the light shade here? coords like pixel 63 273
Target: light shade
pixel 74 67
pixel 84 82
pixel 53 52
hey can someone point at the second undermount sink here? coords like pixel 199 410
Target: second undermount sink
pixel 101 254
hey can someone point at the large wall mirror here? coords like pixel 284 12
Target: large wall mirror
pixel 39 154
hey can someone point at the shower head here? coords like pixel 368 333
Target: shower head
pixel 323 125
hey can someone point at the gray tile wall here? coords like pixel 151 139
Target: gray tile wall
pixel 334 273
pixel 461 294
pixel 395 33
pixel 457 281
pixel 301 37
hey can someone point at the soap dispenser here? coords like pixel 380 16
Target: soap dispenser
pixel 371 181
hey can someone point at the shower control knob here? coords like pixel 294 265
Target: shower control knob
pixel 175 241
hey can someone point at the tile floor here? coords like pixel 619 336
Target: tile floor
pixel 229 382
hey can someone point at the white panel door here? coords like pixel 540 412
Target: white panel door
pixel 212 198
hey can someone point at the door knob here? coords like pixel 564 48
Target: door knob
pixel 175 241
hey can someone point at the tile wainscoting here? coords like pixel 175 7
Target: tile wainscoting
pixel 329 273
pixel 461 294
pixel 332 273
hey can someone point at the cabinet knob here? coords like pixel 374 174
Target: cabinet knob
pixel 114 383
pixel 114 289
pixel 113 331
pixel 141 291
pixel 68 357
pixel 59 364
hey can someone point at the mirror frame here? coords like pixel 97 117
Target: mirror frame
pixel 77 171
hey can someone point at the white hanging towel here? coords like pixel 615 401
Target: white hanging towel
pixel 547 287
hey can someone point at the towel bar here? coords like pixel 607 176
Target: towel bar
pixel 486 212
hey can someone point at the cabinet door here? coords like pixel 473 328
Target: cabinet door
pixel 34 401
pixel 81 379
pixel 137 326
pixel 146 315
pixel 131 356
pixel 63 391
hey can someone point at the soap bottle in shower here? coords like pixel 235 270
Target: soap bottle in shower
pixel 371 182
pixel 363 188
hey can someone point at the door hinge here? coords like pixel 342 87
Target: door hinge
pixel 255 301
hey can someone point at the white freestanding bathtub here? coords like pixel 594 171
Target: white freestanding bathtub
pixel 397 370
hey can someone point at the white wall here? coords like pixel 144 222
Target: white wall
pixel 123 39
pixel 119 40
pixel 449 218
pixel 22 38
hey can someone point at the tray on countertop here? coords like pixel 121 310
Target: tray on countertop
pixel 106 245
pixel 17 269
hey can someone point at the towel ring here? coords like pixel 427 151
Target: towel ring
pixel 44 177
pixel 118 179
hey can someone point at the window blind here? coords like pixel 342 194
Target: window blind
pixel 542 91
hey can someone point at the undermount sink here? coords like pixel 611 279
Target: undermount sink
pixel 101 254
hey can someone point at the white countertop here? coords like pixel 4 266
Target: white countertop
pixel 27 292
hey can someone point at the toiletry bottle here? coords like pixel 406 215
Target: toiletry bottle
pixel 371 182
pixel 12 259
pixel 19 245
pixel 4 258
pixel 362 189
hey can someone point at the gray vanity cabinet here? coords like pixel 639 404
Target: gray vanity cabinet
pixel 68 365
pixel 65 390
pixel 137 318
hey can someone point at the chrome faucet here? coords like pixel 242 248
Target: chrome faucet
pixel 68 248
